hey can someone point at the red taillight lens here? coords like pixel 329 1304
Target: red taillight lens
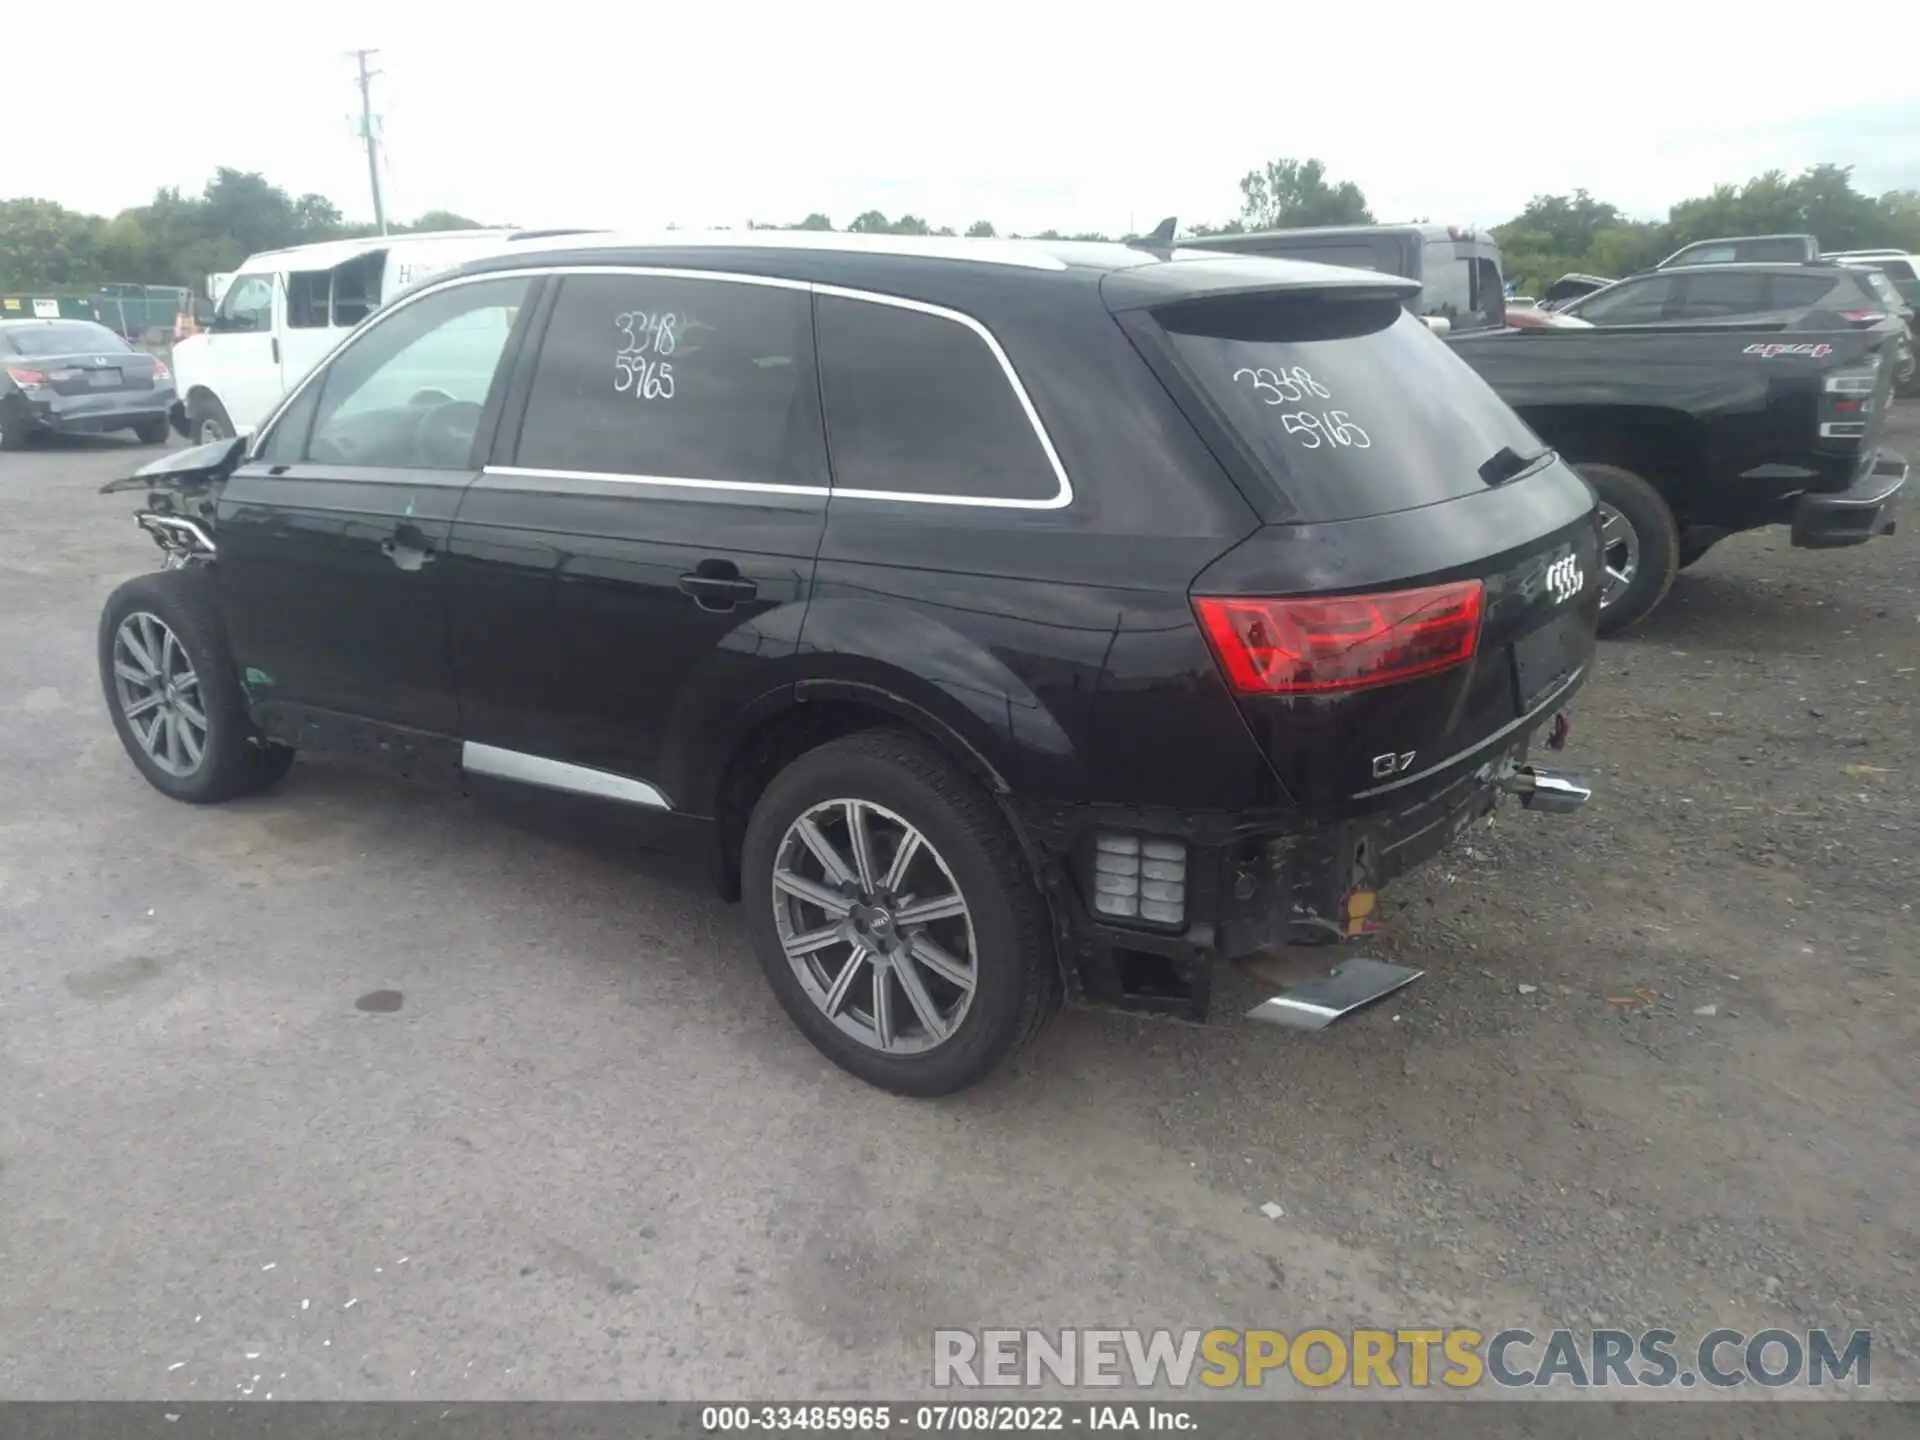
pixel 24 376
pixel 1863 317
pixel 161 372
pixel 1345 642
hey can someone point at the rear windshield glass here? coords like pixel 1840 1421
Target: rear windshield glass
pixel 1349 408
pixel 77 337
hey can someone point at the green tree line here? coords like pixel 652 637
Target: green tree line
pixel 179 239
pixel 174 239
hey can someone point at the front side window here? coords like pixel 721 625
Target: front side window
pixel 672 378
pixel 919 404
pixel 409 392
pixel 247 305
pixel 1631 302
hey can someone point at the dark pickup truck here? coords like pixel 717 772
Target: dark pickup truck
pixel 1689 434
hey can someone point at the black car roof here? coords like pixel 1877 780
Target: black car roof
pixel 1127 276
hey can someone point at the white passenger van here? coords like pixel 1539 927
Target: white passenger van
pixel 284 310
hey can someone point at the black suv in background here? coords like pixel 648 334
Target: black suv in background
pixel 1457 269
pixel 1008 621
pixel 1805 295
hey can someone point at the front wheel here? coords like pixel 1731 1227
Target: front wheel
pixel 895 916
pixel 1639 545
pixel 169 683
pixel 207 420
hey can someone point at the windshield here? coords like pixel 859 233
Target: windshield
pixel 1349 407
pixel 72 337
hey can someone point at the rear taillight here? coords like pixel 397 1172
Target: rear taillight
pixel 160 371
pixel 1863 317
pixel 26 378
pixel 1856 379
pixel 1343 642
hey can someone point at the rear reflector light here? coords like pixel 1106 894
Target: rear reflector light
pixel 1344 642
pixel 1864 317
pixel 1140 879
pixel 22 376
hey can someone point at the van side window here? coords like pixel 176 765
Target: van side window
pixel 356 288
pixel 409 392
pixel 648 375
pixel 308 295
pixel 247 305
pixel 918 404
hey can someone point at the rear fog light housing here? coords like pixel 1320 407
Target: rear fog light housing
pixel 1139 879
pixel 1343 642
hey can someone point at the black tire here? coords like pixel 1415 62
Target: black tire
pixel 152 432
pixel 1657 535
pixel 235 758
pixel 14 435
pixel 1018 987
pixel 207 420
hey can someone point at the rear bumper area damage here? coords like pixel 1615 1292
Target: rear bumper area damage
pixel 1148 904
pixel 1855 515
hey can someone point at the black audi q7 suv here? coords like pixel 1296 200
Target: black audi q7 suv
pixel 1011 622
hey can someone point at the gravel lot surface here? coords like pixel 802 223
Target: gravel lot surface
pixel 1662 1070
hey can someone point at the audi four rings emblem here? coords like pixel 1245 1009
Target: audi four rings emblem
pixel 1564 579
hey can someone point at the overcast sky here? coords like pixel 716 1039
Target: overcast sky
pixel 1036 114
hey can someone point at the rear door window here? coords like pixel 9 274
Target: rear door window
pixel 1348 408
pixel 651 376
pixel 920 404
pixel 1797 292
pixel 1722 295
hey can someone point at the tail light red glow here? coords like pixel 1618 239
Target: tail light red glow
pixel 1343 642
pixel 1863 317
pixel 161 372
pixel 24 375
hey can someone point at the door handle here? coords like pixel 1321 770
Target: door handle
pixel 717 585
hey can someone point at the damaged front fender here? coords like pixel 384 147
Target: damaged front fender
pixel 194 468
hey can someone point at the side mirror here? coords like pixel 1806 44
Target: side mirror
pixel 1438 324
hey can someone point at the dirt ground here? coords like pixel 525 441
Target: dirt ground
pixel 1661 1071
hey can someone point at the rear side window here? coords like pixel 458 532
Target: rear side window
pixel 920 404
pixel 1347 407
pixel 1797 292
pixel 309 293
pixel 1709 297
pixel 652 376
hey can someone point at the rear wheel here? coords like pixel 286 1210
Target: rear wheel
pixel 1639 545
pixel 895 917
pixel 152 432
pixel 207 420
pixel 13 433
pixel 169 682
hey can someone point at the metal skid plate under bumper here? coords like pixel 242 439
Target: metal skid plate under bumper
pixel 1245 887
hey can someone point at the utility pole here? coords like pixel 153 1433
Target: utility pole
pixel 366 130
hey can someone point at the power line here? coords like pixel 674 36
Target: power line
pixel 368 133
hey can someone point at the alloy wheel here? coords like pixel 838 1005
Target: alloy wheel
pixel 159 694
pixel 875 927
pixel 1619 554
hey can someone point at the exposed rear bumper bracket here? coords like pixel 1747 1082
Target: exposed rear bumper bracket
pixel 1854 516
pixel 1352 985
